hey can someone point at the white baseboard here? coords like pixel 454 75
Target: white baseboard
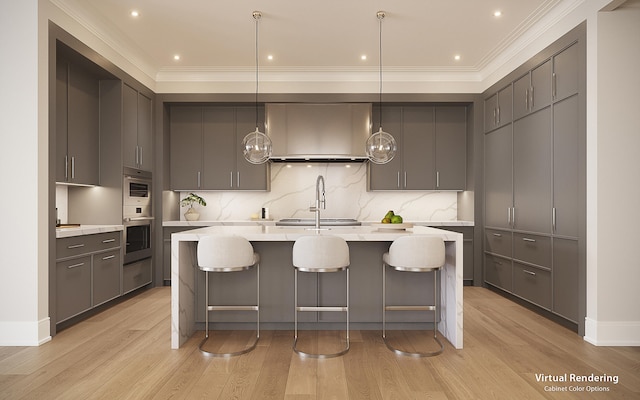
pixel 612 333
pixel 25 333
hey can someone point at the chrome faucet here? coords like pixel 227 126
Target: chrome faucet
pixel 320 200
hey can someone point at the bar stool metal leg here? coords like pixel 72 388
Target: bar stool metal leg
pixel 315 309
pixel 231 308
pixel 433 308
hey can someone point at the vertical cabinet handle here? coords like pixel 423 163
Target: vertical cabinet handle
pixel 532 98
pixel 73 168
pixel 231 179
pixel 437 179
pixel 553 85
pixel 405 179
pixel 526 99
pixel 238 178
pixel 553 219
pixel 398 184
pixel 141 154
pixel 509 216
pixel 495 116
pixel 66 167
pixel 513 216
pixel 199 180
pixel 137 157
pixel 498 116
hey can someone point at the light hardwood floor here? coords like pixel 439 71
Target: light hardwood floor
pixel 124 353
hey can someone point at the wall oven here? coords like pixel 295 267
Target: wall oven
pixel 136 215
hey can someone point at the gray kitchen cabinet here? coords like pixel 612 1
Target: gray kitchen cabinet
pixel 106 278
pixel 565 278
pixel 387 176
pixel 498 109
pixel 532 92
pixel 532 143
pixel 566 72
pixel 206 149
pixel 77 125
pixel 73 287
pixel 534 186
pixel 566 161
pixel 498 180
pixel 186 148
pixel 137 133
pixel 88 272
pixel 136 275
pixel 451 142
pixel 431 152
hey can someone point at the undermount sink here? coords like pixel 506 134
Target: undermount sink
pixel 323 222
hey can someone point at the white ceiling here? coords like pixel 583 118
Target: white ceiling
pixel 303 35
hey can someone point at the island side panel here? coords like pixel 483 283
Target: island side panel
pixel 183 262
pixel 451 281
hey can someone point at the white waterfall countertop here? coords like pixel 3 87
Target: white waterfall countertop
pixel 183 268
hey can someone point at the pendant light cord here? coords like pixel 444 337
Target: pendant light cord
pixel 380 17
pixel 256 16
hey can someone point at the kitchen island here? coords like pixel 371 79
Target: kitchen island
pixel 274 243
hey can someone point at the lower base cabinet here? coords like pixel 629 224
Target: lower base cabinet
pixel 498 271
pixel 532 284
pixel 87 273
pixel 136 275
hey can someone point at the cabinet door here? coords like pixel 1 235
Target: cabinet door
pixel 387 176
pixel 73 287
pixel 186 147
pixel 532 172
pixel 498 178
pixel 505 107
pixel 565 278
pixel 498 271
pixel 540 87
pixel 566 75
pixel 129 126
pixel 451 148
pixel 491 113
pixel 62 169
pixel 418 152
pixel 83 127
pixel 249 176
pixel 106 276
pixel 521 96
pixel 219 148
pixel 145 134
pixel 565 167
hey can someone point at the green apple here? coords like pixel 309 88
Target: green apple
pixel 396 219
pixel 389 214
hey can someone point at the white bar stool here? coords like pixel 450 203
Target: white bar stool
pixel 320 253
pixel 228 254
pixel 414 254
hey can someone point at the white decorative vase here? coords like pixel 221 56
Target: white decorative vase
pixel 191 214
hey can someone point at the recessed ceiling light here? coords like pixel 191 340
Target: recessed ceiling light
pixel 176 57
pixel 363 57
pixel 135 13
pixel 497 13
pixel 457 57
pixel 269 57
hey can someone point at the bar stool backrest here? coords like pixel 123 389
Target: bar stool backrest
pixel 219 252
pixel 415 251
pixel 320 252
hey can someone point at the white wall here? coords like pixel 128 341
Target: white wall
pixel 24 162
pixel 613 315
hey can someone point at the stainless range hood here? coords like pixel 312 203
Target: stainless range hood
pixel 318 131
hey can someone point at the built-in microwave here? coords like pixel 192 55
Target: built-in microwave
pixel 136 193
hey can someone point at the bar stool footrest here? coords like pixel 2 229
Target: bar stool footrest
pixel 415 354
pixel 231 354
pixel 316 355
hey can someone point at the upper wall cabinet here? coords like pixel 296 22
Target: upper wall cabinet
pixel 498 109
pixel 431 151
pixel 77 125
pixel 566 73
pixel 206 152
pixel 532 92
pixel 137 134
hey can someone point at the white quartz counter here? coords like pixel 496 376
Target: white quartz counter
pixel 86 230
pixel 183 269
pixel 273 222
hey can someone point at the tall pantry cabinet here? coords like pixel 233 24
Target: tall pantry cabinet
pixel 534 173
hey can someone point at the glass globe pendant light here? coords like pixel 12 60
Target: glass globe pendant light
pixel 256 146
pixel 381 146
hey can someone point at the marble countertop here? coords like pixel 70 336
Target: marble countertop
pixel 86 230
pixel 261 233
pixel 273 222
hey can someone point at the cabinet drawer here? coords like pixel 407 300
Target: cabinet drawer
pixel 106 276
pixel 73 287
pixel 77 245
pixel 532 284
pixel 498 242
pixel 532 249
pixel 498 271
pixel 136 275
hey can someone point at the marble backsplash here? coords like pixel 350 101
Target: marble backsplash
pixel 293 191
